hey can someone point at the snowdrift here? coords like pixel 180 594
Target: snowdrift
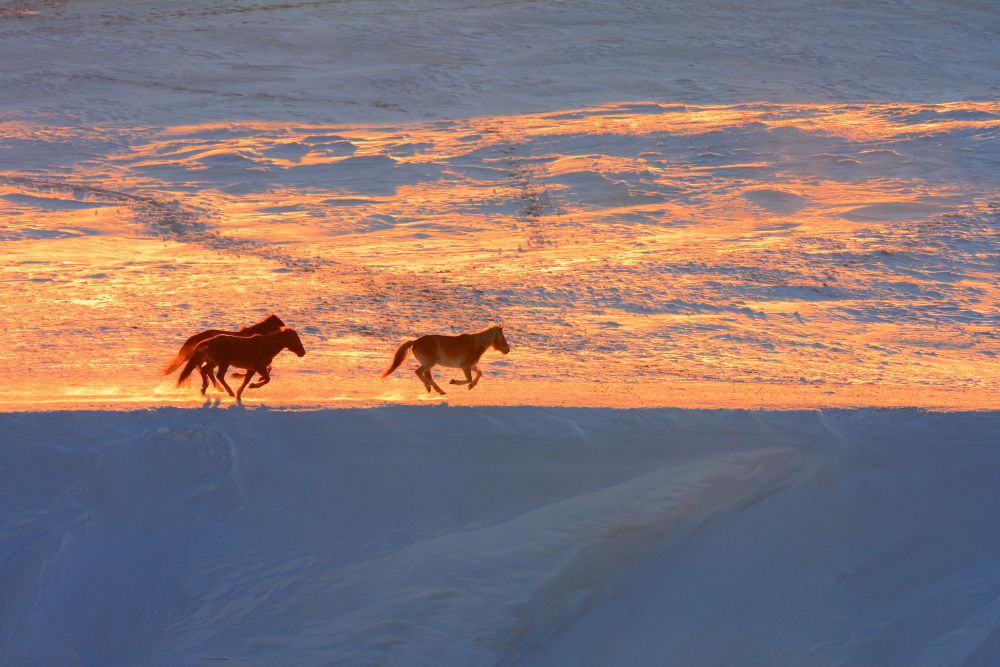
pixel 512 535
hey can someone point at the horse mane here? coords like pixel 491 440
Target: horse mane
pixel 283 331
pixel 269 321
pixel 487 335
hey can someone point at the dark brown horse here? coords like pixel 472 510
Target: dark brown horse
pixel 269 324
pixel 254 354
pixel 462 351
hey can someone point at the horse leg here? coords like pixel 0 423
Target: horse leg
pixel 246 381
pixel 210 371
pixel 265 377
pixel 479 374
pixel 430 379
pixel 426 361
pixel 468 377
pixel 221 374
pixel 215 381
pixel 204 377
pixel 208 375
pixel 420 374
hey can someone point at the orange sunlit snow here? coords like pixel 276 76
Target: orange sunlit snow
pixel 639 254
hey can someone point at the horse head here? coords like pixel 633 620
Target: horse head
pixel 292 341
pixel 499 341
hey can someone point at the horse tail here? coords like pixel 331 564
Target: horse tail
pixel 191 365
pixel 398 358
pixel 176 362
pixel 187 349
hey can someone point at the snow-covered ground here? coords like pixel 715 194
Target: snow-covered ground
pixel 786 203
pixel 684 203
pixel 418 535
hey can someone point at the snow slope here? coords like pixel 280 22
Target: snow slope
pixel 489 536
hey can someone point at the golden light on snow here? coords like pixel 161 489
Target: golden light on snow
pixel 639 254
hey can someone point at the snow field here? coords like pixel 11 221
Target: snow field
pixel 511 535
pixel 784 195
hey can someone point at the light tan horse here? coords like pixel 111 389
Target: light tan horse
pixel 462 351
pixel 269 324
pixel 254 354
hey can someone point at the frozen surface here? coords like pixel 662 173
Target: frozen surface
pixel 148 62
pixel 411 535
pixel 668 203
pixel 694 203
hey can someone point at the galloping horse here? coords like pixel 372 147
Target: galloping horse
pixel 252 353
pixel 269 324
pixel 462 351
